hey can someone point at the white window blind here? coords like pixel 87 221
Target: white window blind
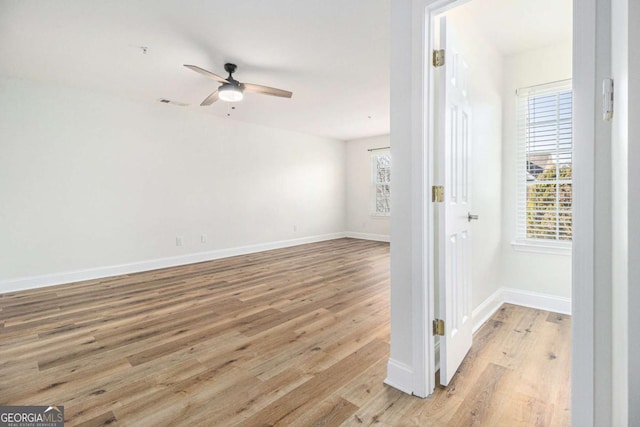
pixel 381 182
pixel 544 168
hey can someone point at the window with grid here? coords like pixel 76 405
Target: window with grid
pixel 381 182
pixel 544 171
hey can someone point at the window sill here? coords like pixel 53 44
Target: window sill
pixel 542 248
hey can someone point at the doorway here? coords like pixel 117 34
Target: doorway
pixel 411 248
pixel 513 167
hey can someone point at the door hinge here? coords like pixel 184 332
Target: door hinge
pixel 438 327
pixel 437 193
pixel 438 58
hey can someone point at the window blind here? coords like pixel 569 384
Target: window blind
pixel 544 163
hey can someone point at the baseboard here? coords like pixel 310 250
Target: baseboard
pixel 537 300
pixel 23 283
pixel 367 236
pixel 489 306
pixel 399 376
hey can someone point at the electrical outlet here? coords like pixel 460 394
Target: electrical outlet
pixel 203 238
pixel 179 241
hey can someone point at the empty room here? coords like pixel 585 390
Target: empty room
pixel 336 213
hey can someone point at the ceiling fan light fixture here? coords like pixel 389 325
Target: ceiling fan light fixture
pixel 230 93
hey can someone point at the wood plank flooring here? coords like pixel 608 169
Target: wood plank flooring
pixel 291 337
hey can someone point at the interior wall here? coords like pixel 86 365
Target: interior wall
pixel 619 211
pixel 88 181
pixel 402 372
pixel 633 195
pixel 360 221
pixel 534 272
pixel 485 94
pixel 625 195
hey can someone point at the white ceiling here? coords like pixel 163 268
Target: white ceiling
pixel 515 26
pixel 333 54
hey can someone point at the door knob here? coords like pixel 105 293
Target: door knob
pixel 470 217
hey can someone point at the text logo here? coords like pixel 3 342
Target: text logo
pixel 32 416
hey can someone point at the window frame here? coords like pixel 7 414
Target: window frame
pixel 523 242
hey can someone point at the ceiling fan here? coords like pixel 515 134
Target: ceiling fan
pixel 232 90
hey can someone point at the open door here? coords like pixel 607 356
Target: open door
pixel 454 212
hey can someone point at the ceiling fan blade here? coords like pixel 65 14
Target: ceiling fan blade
pixel 210 99
pixel 266 90
pixel 206 73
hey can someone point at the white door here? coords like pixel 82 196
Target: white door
pixel 454 234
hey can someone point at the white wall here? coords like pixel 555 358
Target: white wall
pixel 625 194
pixel 485 93
pixel 407 254
pixel 543 273
pixel 633 235
pixel 89 181
pixel 360 222
pixel 619 210
pixel 591 276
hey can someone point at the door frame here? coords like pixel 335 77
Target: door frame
pixel 591 260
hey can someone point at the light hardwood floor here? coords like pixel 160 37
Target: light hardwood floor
pixel 296 336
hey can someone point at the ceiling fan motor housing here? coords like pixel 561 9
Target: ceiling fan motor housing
pixel 232 91
pixel 230 68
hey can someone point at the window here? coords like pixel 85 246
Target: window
pixel 381 181
pixel 544 170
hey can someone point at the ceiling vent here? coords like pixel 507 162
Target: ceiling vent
pixel 168 101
